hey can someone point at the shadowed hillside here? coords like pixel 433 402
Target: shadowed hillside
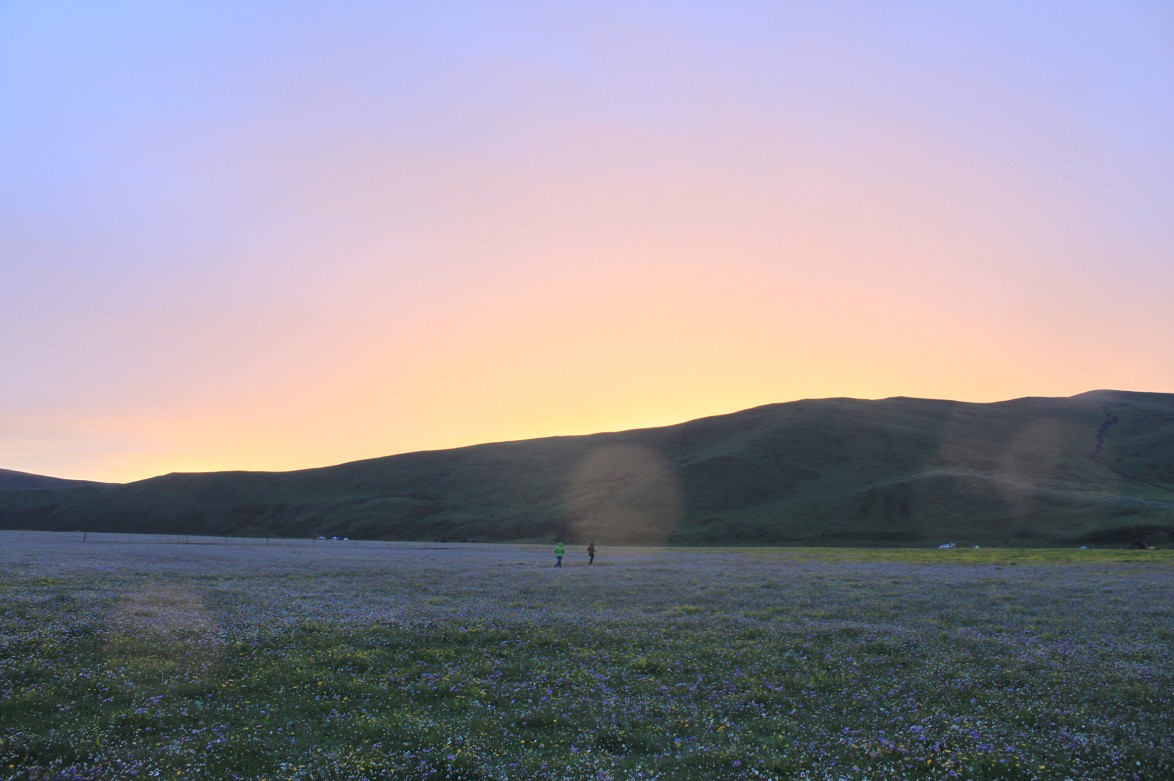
pixel 1096 468
pixel 18 481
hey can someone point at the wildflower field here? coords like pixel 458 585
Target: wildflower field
pixel 132 660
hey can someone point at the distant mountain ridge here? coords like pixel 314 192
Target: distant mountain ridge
pixel 17 481
pixel 1097 468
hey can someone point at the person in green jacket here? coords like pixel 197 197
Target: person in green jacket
pixel 559 550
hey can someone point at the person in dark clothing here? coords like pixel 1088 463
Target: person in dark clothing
pixel 591 553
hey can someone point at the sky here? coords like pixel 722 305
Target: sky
pixel 279 235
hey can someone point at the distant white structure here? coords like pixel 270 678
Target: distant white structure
pixel 947 545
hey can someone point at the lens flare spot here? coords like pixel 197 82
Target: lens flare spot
pixel 625 494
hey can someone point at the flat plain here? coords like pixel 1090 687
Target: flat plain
pixel 127 660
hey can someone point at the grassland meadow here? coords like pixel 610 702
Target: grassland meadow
pixel 339 661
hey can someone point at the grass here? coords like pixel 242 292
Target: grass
pixel 464 662
pixel 987 556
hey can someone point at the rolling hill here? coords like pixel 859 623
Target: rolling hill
pixel 1097 468
pixel 15 481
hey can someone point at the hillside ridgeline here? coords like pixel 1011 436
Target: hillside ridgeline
pixel 1097 468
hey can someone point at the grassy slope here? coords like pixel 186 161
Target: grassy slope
pixel 20 481
pixel 1097 467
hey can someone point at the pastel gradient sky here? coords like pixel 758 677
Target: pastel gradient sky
pixel 274 235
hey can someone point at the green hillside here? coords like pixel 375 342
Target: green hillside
pixel 1097 468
